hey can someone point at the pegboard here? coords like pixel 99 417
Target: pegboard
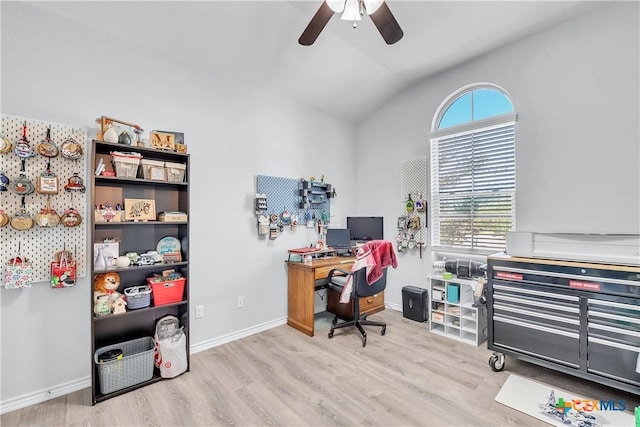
pixel 282 194
pixel 413 181
pixel 414 178
pixel 39 244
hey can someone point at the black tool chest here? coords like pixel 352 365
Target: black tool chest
pixel 575 317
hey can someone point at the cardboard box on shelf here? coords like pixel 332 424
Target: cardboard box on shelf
pixel 172 216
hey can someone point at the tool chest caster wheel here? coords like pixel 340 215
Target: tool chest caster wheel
pixel 496 362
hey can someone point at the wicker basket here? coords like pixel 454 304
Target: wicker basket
pixel 136 365
pixel 153 169
pixel 125 167
pixel 175 171
pixel 138 297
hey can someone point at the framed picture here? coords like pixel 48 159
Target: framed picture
pixel 402 222
pixel 139 209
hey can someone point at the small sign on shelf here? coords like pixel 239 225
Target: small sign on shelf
pixel 139 209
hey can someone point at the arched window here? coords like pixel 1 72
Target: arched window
pixel 473 184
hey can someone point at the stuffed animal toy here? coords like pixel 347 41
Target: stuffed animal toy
pixel 107 284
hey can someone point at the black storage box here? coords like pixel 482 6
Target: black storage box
pixel 415 303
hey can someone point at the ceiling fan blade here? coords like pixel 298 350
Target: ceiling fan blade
pixel 387 24
pixel 317 23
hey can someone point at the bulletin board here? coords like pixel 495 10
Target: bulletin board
pixel 39 244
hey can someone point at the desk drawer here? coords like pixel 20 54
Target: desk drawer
pixel 368 305
pixel 372 304
pixel 323 272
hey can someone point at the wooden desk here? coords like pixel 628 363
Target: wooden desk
pixel 305 278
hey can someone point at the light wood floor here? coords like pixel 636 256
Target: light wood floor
pixel 280 377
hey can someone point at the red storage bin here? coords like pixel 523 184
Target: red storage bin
pixel 166 292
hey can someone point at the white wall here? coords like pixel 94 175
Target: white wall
pixel 55 70
pixel 575 89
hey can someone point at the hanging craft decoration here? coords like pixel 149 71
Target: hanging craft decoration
pixel 63 270
pixel 47 182
pixel 47 147
pixel 22 220
pixel 71 217
pixel 263 224
pixel 286 217
pixel 409 205
pixel 23 148
pixel 22 186
pixel 75 183
pixel 421 205
pixel 48 217
pixel 5 144
pixel 71 149
pixel 18 272
pixel 4 218
pixel 4 182
pixel 273 226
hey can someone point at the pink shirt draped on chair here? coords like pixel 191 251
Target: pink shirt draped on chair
pixel 375 256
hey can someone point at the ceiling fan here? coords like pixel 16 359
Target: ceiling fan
pixel 352 10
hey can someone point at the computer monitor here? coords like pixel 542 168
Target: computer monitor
pixel 339 239
pixel 365 228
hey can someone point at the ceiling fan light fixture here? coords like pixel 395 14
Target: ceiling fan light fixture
pixel 336 5
pixel 372 5
pixel 351 11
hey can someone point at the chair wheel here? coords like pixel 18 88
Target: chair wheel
pixel 384 330
pixel 331 333
pixel 364 340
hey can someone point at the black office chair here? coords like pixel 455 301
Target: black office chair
pixel 336 281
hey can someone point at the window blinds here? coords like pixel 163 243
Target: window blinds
pixel 473 188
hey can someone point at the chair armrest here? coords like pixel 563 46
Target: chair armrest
pixel 337 278
pixel 342 272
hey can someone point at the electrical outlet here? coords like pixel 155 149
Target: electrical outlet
pixel 199 311
pixel 240 302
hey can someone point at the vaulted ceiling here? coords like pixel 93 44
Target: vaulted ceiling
pixel 347 72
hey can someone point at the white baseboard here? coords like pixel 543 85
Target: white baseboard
pixel 393 306
pixel 205 345
pixel 43 395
